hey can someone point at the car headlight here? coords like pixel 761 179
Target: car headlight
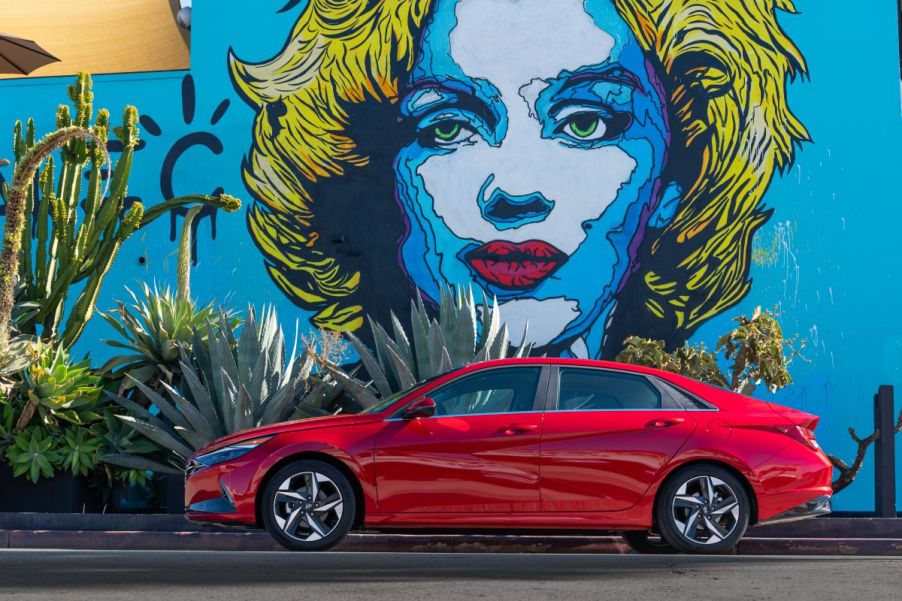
pixel 233 451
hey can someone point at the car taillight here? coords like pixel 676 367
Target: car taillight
pixel 802 434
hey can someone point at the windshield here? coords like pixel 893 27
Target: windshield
pixel 394 397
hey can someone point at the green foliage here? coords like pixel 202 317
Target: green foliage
pixel 117 438
pixel 7 421
pixel 76 243
pixel 33 453
pixel 228 385
pixel 155 330
pixel 696 361
pixel 14 360
pixel 462 334
pixel 756 352
pixel 79 451
pixel 59 388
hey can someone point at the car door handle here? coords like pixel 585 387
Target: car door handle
pixel 512 429
pixel 665 422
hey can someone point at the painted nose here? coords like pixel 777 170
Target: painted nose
pixel 507 211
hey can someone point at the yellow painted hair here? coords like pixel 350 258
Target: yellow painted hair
pixel 724 64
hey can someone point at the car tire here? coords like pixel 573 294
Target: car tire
pixel 703 509
pixel 308 505
pixel 648 543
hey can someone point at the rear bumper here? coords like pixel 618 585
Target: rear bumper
pixel 810 509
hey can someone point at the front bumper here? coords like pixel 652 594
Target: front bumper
pixel 810 509
pixel 221 493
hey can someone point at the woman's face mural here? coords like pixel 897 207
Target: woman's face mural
pixel 599 166
pixel 536 159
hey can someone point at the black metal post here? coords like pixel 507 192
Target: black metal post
pixel 885 453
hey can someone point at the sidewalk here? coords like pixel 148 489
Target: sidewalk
pixel 824 536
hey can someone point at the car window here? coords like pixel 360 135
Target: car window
pixel 600 390
pixel 684 399
pixel 505 390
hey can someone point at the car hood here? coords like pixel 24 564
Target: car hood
pixel 310 423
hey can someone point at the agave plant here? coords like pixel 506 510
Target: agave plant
pixel 155 330
pixel 79 451
pixel 34 454
pixel 462 334
pixel 13 361
pixel 118 438
pixel 229 385
pixel 56 388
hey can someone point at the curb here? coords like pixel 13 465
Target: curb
pixel 394 543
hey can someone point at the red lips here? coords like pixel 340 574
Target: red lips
pixel 511 265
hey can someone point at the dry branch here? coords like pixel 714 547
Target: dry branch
pixel 848 473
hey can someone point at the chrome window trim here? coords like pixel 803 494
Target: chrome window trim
pixel 652 409
pixel 401 419
pixel 620 372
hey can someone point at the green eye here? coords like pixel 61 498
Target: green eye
pixel 447 131
pixel 583 125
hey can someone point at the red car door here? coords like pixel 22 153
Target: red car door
pixel 605 440
pixel 478 453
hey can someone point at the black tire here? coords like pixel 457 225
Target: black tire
pixel 711 528
pixel 332 524
pixel 647 542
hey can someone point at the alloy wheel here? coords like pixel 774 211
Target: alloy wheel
pixel 705 510
pixel 307 506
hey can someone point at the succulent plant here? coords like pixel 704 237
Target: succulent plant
pixel 33 453
pixel 118 438
pixel 14 360
pixel 75 242
pixel 464 333
pixel 228 385
pixel 155 330
pixel 56 388
pixel 79 451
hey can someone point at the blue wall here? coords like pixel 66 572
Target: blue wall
pixel 827 256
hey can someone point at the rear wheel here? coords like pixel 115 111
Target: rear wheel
pixel 308 506
pixel 648 542
pixel 703 509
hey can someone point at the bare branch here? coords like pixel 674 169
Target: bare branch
pixel 847 474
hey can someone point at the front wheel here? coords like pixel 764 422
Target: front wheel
pixel 308 506
pixel 703 509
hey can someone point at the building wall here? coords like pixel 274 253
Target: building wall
pixel 491 142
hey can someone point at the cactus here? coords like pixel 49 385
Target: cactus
pixel 75 242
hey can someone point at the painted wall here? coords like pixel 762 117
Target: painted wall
pixel 599 175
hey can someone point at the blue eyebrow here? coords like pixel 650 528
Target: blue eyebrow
pixel 449 93
pixel 613 73
pixel 424 98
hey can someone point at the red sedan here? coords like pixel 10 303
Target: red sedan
pixel 539 444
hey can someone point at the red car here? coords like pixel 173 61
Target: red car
pixel 537 444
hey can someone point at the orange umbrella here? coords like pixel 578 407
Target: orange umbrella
pixel 22 56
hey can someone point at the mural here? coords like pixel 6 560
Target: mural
pixel 603 167
pixel 599 168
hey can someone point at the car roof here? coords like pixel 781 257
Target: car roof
pixel 568 361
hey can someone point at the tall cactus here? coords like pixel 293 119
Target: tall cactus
pixel 74 241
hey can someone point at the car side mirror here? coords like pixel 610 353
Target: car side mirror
pixel 421 407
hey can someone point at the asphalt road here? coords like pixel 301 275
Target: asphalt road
pixel 172 575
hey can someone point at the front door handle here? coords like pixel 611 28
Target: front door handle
pixel 665 422
pixel 512 429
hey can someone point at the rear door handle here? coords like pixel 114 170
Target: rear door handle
pixel 665 422
pixel 512 429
